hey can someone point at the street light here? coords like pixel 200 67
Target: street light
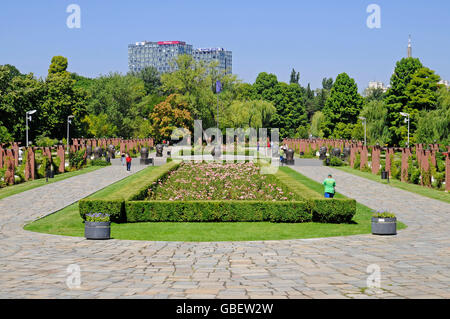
pixel 28 118
pixel 406 115
pixel 365 129
pixel 68 122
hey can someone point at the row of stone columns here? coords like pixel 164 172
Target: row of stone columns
pixel 425 156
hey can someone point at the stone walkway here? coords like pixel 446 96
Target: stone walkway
pixel 413 264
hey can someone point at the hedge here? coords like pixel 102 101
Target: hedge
pixel 115 208
pixel 323 210
pixel 217 211
pixel 114 203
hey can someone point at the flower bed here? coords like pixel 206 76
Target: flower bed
pixel 212 192
pixel 215 181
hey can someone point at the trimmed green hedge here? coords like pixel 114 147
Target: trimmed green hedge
pixel 334 211
pixel 217 211
pixel 323 210
pixel 115 208
pixel 137 189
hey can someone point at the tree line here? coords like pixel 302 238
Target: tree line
pixel 145 103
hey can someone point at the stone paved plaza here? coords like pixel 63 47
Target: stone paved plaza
pixel 413 264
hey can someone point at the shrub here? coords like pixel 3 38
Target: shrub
pixel 76 159
pixel 2 176
pixel 55 162
pixel 334 211
pixel 335 161
pixel 45 141
pixel 115 208
pixel 99 162
pixel 45 165
pixel 357 162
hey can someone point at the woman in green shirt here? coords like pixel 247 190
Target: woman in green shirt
pixel 330 185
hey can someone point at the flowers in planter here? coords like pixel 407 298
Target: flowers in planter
pixel 97 217
pixel 217 181
pixel 382 214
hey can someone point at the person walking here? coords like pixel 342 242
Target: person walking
pixel 128 160
pixel 330 186
pixel 123 159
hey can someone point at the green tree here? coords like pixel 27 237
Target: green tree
pixel 19 94
pixel 317 124
pixel 435 125
pixel 123 99
pixel 168 115
pixel 295 77
pixel 287 99
pixel 397 98
pixel 375 113
pixel 99 126
pixel 62 99
pixel 374 94
pixel 151 78
pixel 342 107
pixel 58 65
pixel 254 114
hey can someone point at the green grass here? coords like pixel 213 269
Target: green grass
pixel 69 223
pixel 22 187
pixel 413 188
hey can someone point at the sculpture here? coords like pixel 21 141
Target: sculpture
pixel 159 150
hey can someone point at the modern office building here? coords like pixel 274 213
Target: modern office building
pixel 156 54
pixel 208 55
pixel 162 54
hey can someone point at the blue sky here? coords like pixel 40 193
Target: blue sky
pixel 317 38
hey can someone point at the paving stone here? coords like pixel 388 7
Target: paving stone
pixel 413 264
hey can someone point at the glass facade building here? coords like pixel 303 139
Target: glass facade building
pixel 156 54
pixel 225 58
pixel 161 55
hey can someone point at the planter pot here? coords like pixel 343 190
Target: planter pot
pixel 97 230
pixel 384 226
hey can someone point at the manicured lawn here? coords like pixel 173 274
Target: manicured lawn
pixel 413 188
pixel 22 187
pixel 68 222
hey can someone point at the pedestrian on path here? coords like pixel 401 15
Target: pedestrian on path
pixel 128 159
pixel 330 186
pixel 123 159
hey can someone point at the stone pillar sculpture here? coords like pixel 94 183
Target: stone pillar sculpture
pixel 30 166
pixel 376 154
pixel 364 157
pixel 406 153
pixel 62 163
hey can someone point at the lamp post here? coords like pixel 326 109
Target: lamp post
pixel 28 118
pixel 406 115
pixel 365 129
pixel 68 123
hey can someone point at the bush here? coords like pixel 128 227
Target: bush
pixel 357 162
pixel 335 161
pixel 45 165
pixel 115 208
pixel 76 159
pixel 99 162
pixel 45 141
pixel 334 211
pixel 55 162
pixel 2 176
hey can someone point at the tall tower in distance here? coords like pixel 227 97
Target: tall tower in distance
pixel 409 47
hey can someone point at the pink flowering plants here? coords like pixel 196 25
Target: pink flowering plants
pixel 217 181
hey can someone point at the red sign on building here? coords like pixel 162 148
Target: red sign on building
pixel 170 42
